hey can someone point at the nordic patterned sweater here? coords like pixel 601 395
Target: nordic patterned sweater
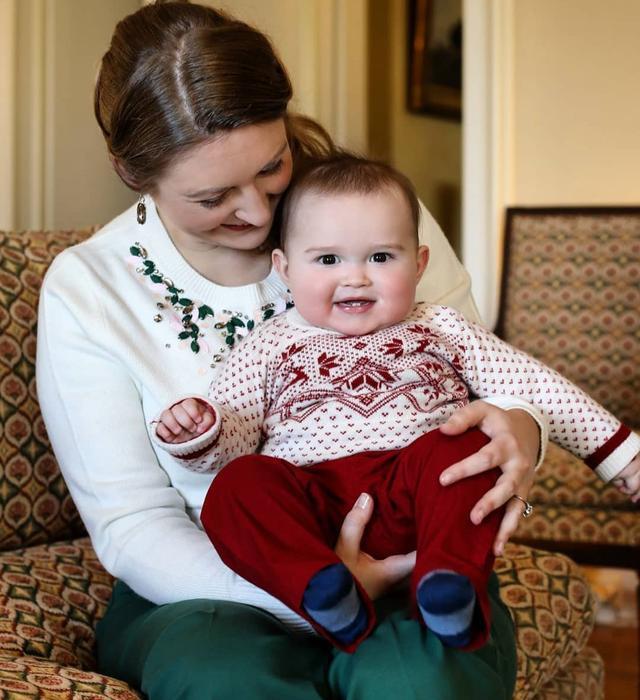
pixel 307 395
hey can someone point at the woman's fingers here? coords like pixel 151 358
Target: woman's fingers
pixel 348 544
pixel 399 566
pixel 464 418
pixel 508 526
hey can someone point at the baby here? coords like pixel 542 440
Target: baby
pixel 343 395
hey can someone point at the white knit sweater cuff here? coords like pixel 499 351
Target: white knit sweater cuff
pixel 614 463
pixel 197 444
pixel 509 403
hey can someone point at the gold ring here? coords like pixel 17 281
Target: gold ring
pixel 528 508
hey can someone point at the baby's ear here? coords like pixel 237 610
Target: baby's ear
pixel 423 260
pixel 279 261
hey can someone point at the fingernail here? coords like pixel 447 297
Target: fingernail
pixel 444 479
pixel 363 501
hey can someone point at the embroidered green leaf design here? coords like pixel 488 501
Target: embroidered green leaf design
pixel 185 302
pixel 195 346
pixel 204 311
pixel 134 250
pixel 149 264
pixel 250 325
pixel 186 319
pixel 231 328
pixel 268 314
pixel 183 335
pixel 194 330
pixel 174 290
pixel 230 340
pixel 156 278
pixel 237 321
pixel 174 299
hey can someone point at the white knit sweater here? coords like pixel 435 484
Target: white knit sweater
pixel 307 395
pixel 115 344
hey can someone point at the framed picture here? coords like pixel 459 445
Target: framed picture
pixel 435 57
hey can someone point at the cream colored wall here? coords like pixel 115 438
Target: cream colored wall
pixel 576 102
pixel 323 44
pixel 7 113
pixel 58 169
pixel 427 149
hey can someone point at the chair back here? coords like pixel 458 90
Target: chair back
pixel 571 297
pixel 35 506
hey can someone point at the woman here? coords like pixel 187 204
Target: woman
pixel 193 108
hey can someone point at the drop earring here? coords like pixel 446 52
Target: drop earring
pixel 141 211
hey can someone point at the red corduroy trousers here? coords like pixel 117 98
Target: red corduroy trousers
pixel 276 524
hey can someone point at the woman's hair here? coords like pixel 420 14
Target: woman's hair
pixel 343 172
pixel 178 73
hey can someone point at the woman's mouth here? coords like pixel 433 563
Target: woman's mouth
pixel 237 227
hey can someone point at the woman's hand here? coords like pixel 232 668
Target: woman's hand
pixel 514 446
pixel 376 576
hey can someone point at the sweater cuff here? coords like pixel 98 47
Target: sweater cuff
pixel 509 403
pixel 199 444
pixel 618 458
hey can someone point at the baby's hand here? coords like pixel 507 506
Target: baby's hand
pixel 628 480
pixel 184 421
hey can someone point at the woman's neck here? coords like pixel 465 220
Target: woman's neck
pixel 228 267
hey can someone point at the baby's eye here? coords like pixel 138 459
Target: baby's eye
pixel 329 259
pixel 380 257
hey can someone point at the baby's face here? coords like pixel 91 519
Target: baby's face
pixel 352 261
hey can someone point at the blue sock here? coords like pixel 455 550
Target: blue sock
pixel 332 600
pixel 447 601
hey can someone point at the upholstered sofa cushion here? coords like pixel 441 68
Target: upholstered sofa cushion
pixel 35 506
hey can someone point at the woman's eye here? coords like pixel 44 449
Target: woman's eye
pixel 273 168
pixel 380 257
pixel 212 203
pixel 328 259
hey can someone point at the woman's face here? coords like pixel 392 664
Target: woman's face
pixel 223 193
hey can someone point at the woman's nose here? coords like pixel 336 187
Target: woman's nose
pixel 255 207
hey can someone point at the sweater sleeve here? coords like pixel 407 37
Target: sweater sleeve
pixel 489 366
pixel 238 400
pixel 446 282
pixel 137 521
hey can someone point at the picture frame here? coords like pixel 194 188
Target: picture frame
pixel 435 58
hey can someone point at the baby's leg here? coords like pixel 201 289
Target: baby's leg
pixel 454 556
pixel 264 527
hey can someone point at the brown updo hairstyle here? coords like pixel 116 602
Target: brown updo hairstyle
pixel 178 73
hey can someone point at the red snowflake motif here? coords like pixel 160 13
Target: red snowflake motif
pixel 327 363
pixel 395 348
pixel 290 352
pixel 366 375
pixel 296 375
pixel 426 339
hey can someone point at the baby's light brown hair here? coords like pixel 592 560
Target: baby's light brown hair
pixel 345 173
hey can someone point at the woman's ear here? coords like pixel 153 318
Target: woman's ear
pixel 423 260
pixel 279 261
pixel 123 173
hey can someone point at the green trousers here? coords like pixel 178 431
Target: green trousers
pixel 206 649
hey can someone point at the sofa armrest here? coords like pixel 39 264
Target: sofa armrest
pixel 51 597
pixel 553 609
pixel 29 677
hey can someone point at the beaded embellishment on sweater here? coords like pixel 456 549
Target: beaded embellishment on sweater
pixel 233 326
